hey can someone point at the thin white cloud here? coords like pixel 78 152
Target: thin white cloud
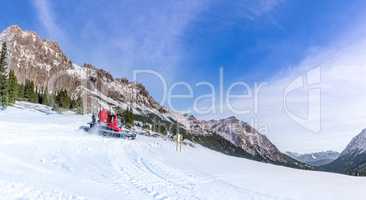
pixel 130 34
pixel 123 35
pixel 47 19
pixel 254 9
pixel 340 112
pixel 342 103
pixel 265 6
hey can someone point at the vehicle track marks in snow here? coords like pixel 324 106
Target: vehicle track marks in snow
pixel 153 176
pixel 138 172
pixel 22 192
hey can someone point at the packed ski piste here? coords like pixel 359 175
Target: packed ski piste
pixel 45 155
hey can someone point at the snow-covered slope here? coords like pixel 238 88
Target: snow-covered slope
pixel 44 155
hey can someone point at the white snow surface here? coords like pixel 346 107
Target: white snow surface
pixel 44 155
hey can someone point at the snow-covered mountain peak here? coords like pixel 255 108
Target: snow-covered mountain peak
pixel 16 31
pixel 33 58
pixel 43 62
pixel 13 29
pixel 357 144
pixel 231 120
pixel 352 159
pixel 241 135
pixel 9 32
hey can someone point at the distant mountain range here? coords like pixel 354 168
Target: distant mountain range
pixel 315 159
pixel 44 63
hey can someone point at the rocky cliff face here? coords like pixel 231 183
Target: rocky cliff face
pixel 43 62
pixel 357 145
pixel 352 160
pixel 241 135
pixel 33 58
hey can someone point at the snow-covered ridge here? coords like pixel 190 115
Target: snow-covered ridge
pixel 241 135
pixel 357 144
pixel 352 160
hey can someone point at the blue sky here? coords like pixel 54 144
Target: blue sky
pixel 254 41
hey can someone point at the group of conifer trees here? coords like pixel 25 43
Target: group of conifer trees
pixel 11 90
pixel 126 115
pixel 8 81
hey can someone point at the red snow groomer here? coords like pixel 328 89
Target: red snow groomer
pixel 108 125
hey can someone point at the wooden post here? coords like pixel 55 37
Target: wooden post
pixel 179 140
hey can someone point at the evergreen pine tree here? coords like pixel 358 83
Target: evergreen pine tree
pixel 12 87
pixel 66 101
pixel 20 94
pixel 29 92
pixel 162 129
pixel 3 77
pixel 27 88
pixel 39 95
pixel 128 117
pixel 33 93
pixel 77 105
pixel 52 100
pixel 45 96
pixel 62 99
